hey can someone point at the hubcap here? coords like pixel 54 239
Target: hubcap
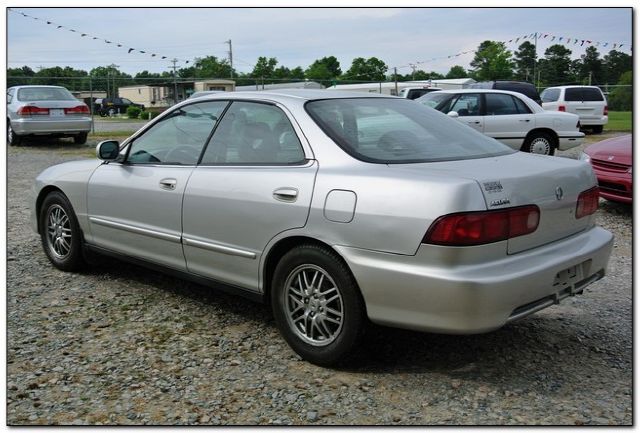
pixel 10 133
pixel 540 145
pixel 313 305
pixel 58 232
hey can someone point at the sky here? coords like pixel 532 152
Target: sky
pixel 296 36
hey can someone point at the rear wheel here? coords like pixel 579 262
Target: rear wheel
pixel 597 129
pixel 80 138
pixel 12 138
pixel 317 305
pixel 540 143
pixel 60 233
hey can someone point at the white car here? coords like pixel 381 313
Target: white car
pixel 416 92
pixel 509 117
pixel 588 102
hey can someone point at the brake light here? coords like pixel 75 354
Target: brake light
pixel 605 112
pixel 29 110
pixel 562 108
pixel 477 228
pixel 80 109
pixel 587 202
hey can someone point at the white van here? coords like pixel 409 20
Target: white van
pixel 416 92
pixel 588 102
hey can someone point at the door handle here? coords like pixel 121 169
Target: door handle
pixel 525 120
pixel 169 184
pixel 286 194
pixel 477 122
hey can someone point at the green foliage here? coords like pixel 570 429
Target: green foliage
pixel 492 62
pixel 371 69
pixel 207 67
pixel 590 63
pixel 457 72
pixel 133 112
pixel 555 67
pixel 525 60
pixel 264 67
pixel 615 64
pixel 619 121
pixel 326 68
pixel 621 98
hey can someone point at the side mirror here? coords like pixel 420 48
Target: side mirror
pixel 453 114
pixel 108 150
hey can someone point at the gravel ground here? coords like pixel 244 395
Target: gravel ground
pixel 118 344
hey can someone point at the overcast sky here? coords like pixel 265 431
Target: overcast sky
pixel 296 37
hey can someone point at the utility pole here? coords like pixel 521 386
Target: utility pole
pixel 413 71
pixel 175 83
pixel 113 88
pixel 590 73
pixel 535 59
pixel 230 56
pixel 395 76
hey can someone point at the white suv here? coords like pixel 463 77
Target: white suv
pixel 588 102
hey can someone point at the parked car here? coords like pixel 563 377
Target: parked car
pixel 416 92
pixel 51 111
pixel 113 106
pixel 612 162
pixel 204 93
pixel 526 88
pixel 509 117
pixel 588 102
pixel 336 208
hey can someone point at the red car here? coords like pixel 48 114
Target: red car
pixel 612 161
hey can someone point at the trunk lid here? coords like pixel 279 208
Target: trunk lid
pixel 518 179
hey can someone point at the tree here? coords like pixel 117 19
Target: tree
pixel 492 62
pixel 326 68
pixel 146 77
pixel 210 67
pixel 371 69
pixel 615 64
pixel 264 67
pixel 621 98
pixel 555 67
pixel 591 68
pixel 23 76
pixel 525 60
pixel 109 79
pixel 297 73
pixel 457 72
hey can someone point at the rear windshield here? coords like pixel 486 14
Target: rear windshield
pixel 393 131
pixel 583 94
pixel 45 94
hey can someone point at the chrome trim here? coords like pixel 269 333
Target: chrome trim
pixel 137 230
pixel 219 248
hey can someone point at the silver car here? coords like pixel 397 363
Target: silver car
pixel 45 111
pixel 337 208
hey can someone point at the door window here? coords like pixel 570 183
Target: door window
pixel 499 104
pixel 177 139
pixel 254 133
pixel 468 104
pixel 550 95
pixel 521 106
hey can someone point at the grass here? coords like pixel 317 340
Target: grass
pixel 619 121
pixel 110 134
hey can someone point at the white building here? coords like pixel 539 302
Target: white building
pixel 389 88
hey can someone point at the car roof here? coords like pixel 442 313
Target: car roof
pixel 35 85
pixel 507 92
pixel 572 87
pixel 295 94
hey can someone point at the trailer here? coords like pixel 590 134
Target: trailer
pixel 393 88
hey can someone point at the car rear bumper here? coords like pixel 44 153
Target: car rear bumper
pixel 568 141
pixel 594 121
pixel 409 292
pixel 45 126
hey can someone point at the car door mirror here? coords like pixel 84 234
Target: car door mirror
pixel 453 114
pixel 108 150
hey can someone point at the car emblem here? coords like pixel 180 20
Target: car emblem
pixel 611 158
pixel 559 193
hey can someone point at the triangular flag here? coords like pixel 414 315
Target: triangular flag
pixel 553 37
pixel 130 49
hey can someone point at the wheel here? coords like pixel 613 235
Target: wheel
pixel 540 143
pixel 80 138
pixel 60 233
pixel 12 138
pixel 111 112
pixel 597 129
pixel 103 113
pixel 317 305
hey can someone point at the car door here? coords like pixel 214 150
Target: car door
pixel 135 204
pixel 469 109
pixel 255 180
pixel 507 119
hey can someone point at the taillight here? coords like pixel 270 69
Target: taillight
pixel 562 108
pixel 587 202
pixel 80 109
pixel 476 228
pixel 29 110
pixel 605 112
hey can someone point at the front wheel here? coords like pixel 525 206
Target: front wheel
pixel 12 138
pixel 317 305
pixel 60 233
pixel 540 143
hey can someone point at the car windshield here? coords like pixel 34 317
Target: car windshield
pixel 393 131
pixel 44 94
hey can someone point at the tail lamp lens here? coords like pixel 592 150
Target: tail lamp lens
pixel 30 110
pixel 80 109
pixel 477 228
pixel 587 202
pixel 605 112
pixel 562 108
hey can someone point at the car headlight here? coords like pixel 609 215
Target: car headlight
pixel 584 157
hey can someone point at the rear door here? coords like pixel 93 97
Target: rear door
pixel 255 180
pixel 507 119
pixel 586 102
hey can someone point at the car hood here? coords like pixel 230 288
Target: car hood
pixel 616 150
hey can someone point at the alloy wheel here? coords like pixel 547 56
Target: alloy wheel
pixel 58 231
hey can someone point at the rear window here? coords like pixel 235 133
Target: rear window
pixel 392 131
pixel 550 95
pixel 45 94
pixel 583 94
pixel 591 94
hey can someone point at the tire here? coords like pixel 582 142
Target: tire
pixel 80 138
pixel 597 129
pixel 540 143
pixel 111 112
pixel 60 233
pixel 12 138
pixel 103 113
pixel 317 305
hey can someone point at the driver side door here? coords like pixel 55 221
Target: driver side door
pixel 135 203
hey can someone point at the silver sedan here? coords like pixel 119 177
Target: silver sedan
pixel 45 111
pixel 337 209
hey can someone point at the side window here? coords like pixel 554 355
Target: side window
pixel 500 104
pixel 468 104
pixel 254 133
pixel 10 95
pixel 550 95
pixel 521 106
pixel 126 101
pixel 179 137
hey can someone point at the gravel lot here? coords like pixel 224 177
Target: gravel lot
pixel 118 344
